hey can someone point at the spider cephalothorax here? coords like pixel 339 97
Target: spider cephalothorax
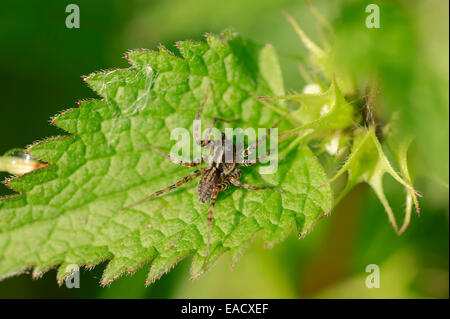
pixel 220 173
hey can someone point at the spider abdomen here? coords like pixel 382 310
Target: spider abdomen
pixel 207 183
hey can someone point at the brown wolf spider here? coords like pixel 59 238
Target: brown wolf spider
pixel 219 174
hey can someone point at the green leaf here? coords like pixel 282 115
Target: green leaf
pixel 368 163
pixel 329 111
pixel 399 145
pixel 323 59
pixel 70 212
pixel 324 111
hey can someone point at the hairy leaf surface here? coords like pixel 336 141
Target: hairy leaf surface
pixel 70 212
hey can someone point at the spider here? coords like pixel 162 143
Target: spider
pixel 219 174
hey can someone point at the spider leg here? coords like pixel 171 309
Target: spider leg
pixel 197 138
pixel 251 162
pixel 238 183
pixel 224 185
pixel 210 216
pixel 195 162
pixel 237 173
pixel 252 147
pixel 205 142
pixel 186 179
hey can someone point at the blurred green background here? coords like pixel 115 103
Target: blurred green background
pixel 41 64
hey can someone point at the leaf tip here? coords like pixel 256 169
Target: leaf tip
pixel 193 277
pixel 417 210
